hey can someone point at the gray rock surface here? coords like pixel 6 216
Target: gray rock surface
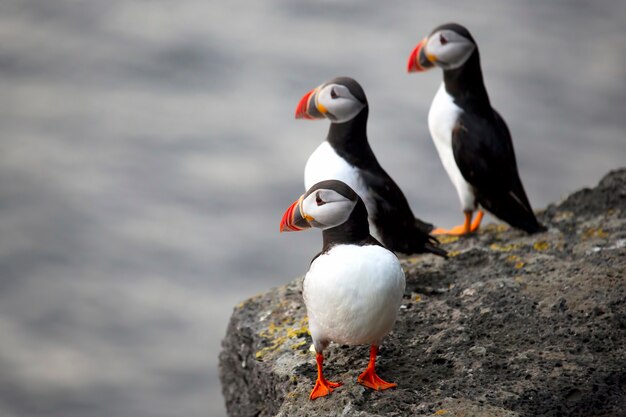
pixel 511 325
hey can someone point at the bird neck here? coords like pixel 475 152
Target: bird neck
pixel 349 139
pixel 465 85
pixel 352 231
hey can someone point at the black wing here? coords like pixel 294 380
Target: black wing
pixel 484 153
pixel 400 230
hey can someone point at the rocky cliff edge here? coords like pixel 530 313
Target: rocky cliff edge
pixel 510 325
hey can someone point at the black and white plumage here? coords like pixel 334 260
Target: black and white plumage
pixel 472 139
pixel 354 287
pixel 346 155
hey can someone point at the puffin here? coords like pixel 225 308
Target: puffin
pixel 354 286
pixel 346 155
pixel 472 139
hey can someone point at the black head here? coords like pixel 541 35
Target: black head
pixel 454 27
pixel 448 46
pixel 352 85
pixel 327 205
pixel 339 100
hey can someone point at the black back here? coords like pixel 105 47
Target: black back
pixel 483 149
pixel 399 229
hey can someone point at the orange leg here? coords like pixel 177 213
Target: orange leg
pixel 477 220
pixel 323 387
pixel 467 227
pixel 369 378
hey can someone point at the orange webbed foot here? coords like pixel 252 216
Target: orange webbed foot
pixel 465 228
pixel 323 388
pixel 369 379
pixel 455 231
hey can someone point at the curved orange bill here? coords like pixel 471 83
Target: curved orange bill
pixel 292 220
pixel 306 108
pixel 418 61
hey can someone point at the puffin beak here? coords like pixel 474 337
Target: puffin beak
pixel 418 60
pixel 293 220
pixel 307 107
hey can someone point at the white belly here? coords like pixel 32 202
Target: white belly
pixel 352 294
pixel 442 117
pixel 325 164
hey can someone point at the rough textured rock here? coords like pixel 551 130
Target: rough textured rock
pixel 511 325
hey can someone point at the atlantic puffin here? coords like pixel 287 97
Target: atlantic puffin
pixel 346 155
pixel 472 139
pixel 354 287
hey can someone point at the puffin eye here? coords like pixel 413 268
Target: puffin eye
pixel 442 39
pixel 333 95
pixel 319 200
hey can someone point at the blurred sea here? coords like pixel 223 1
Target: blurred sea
pixel 148 150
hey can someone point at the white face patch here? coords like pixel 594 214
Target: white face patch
pixel 339 103
pixel 328 208
pixel 450 49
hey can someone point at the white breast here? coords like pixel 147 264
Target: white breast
pixel 325 164
pixel 442 117
pixel 352 294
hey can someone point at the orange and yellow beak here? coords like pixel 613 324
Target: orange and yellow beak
pixel 418 60
pixel 307 107
pixel 293 220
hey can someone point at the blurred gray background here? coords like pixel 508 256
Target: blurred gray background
pixel 149 149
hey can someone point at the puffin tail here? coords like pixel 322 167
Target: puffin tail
pixel 411 237
pixel 435 249
pixel 411 240
pixel 534 227
pixel 423 226
pixel 428 242
pixel 514 210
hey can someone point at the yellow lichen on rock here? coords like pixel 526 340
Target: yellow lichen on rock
pixel 513 258
pixel 516 260
pixel 298 345
pixel 504 248
pixel 592 232
pixel 443 239
pixel 289 333
pixel 541 245
pixel 301 328
pixel 502 228
pixel 495 228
